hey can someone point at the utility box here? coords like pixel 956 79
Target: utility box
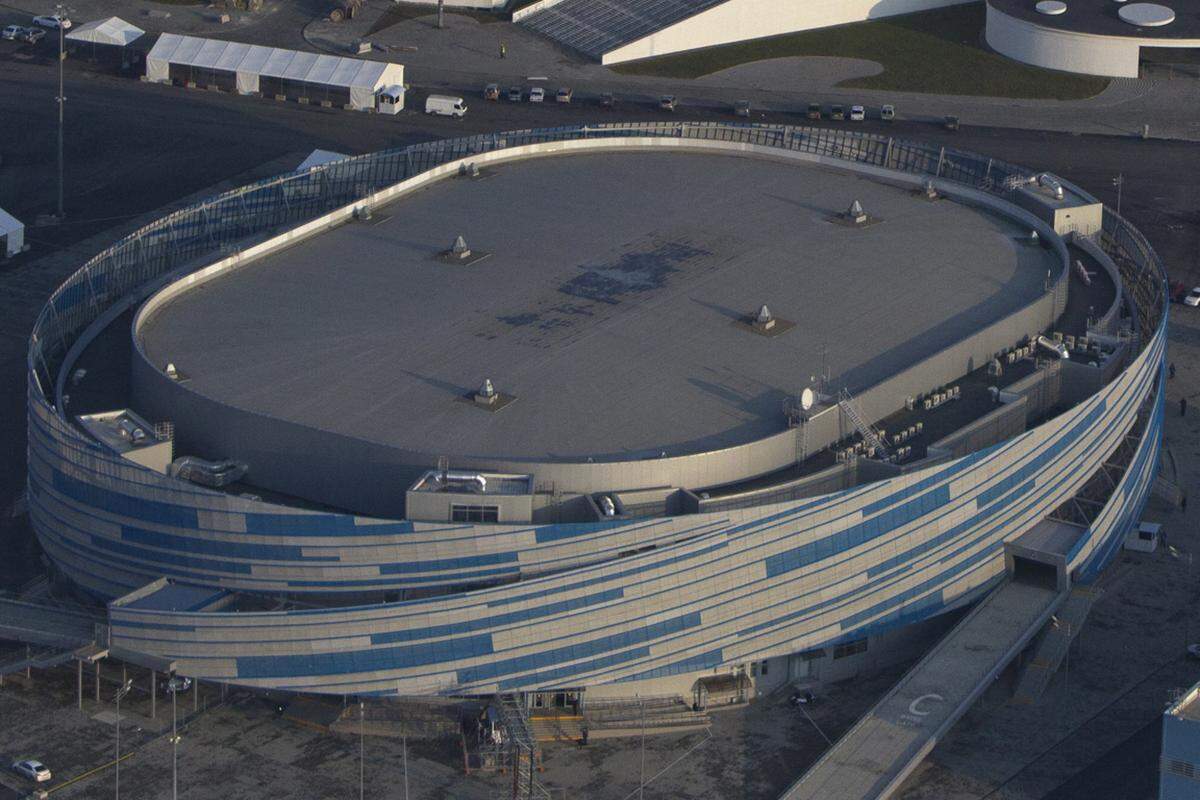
pixel 470 497
pixel 131 436
pixel 1144 538
pixel 1058 206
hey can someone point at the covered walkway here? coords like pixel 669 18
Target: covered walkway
pixel 878 753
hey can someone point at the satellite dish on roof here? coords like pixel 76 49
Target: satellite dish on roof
pixel 807 398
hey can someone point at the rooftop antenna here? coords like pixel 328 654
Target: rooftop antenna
pixel 443 468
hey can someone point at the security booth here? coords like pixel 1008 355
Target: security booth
pixel 112 42
pixel 12 235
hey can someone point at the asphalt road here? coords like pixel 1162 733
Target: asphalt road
pixel 132 147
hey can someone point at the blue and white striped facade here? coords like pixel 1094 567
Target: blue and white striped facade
pixel 719 589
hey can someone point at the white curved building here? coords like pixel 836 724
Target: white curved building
pixel 1094 37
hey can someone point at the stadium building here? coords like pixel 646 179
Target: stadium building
pixel 617 409
pixel 615 31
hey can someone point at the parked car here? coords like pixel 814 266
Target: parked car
pixel 53 21
pixel 858 113
pixel 537 94
pixel 1193 298
pixel 837 112
pixel 741 108
pixel 12 32
pixel 445 106
pixel 951 123
pixel 814 110
pixel 608 100
pixel 33 35
pixel 668 102
pixel 565 95
pixel 887 113
pixel 34 770
pixel 515 94
pixel 491 91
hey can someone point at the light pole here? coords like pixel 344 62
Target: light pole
pixel 642 779
pixel 175 685
pixel 362 764
pixel 61 99
pixel 1118 182
pixel 124 690
pixel 1178 555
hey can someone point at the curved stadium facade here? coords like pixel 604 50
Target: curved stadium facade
pixel 786 544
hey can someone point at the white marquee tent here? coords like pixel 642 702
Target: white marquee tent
pixel 249 64
pixel 112 31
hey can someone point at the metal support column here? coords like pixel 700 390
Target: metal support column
pixel 153 693
pixel 79 680
pixel 97 680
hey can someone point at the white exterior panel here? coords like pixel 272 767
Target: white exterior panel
pixel 1063 50
pixel 1071 51
pixel 740 20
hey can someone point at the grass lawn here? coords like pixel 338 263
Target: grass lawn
pixel 939 52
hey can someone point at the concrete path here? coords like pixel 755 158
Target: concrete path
pixel 877 754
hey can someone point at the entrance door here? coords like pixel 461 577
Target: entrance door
pixel 799 667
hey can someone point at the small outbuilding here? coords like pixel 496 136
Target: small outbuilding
pixel 270 71
pixel 12 235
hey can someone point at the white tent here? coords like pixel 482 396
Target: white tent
pixel 12 234
pixel 248 63
pixel 319 157
pixel 112 31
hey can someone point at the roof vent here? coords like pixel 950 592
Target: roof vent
pixel 855 216
pixel 172 373
pixel 487 398
pixel 459 253
pixel 459 249
pixel 362 213
pixel 764 323
pixel 930 191
pixel 486 393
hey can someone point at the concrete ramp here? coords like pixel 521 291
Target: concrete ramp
pixel 878 753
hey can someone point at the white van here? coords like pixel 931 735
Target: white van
pixel 445 105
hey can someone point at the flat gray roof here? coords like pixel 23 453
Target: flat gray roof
pixel 608 307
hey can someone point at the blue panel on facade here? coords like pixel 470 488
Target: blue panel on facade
pixel 705 660
pixel 383 658
pixel 499 620
pixel 154 556
pixel 465 562
pixel 545 678
pixel 856 535
pixel 569 530
pixel 547 658
pixel 218 547
pixel 123 504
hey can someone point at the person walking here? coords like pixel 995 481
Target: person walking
pixel 1171 371
pixel 503 50
pixel 1183 406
